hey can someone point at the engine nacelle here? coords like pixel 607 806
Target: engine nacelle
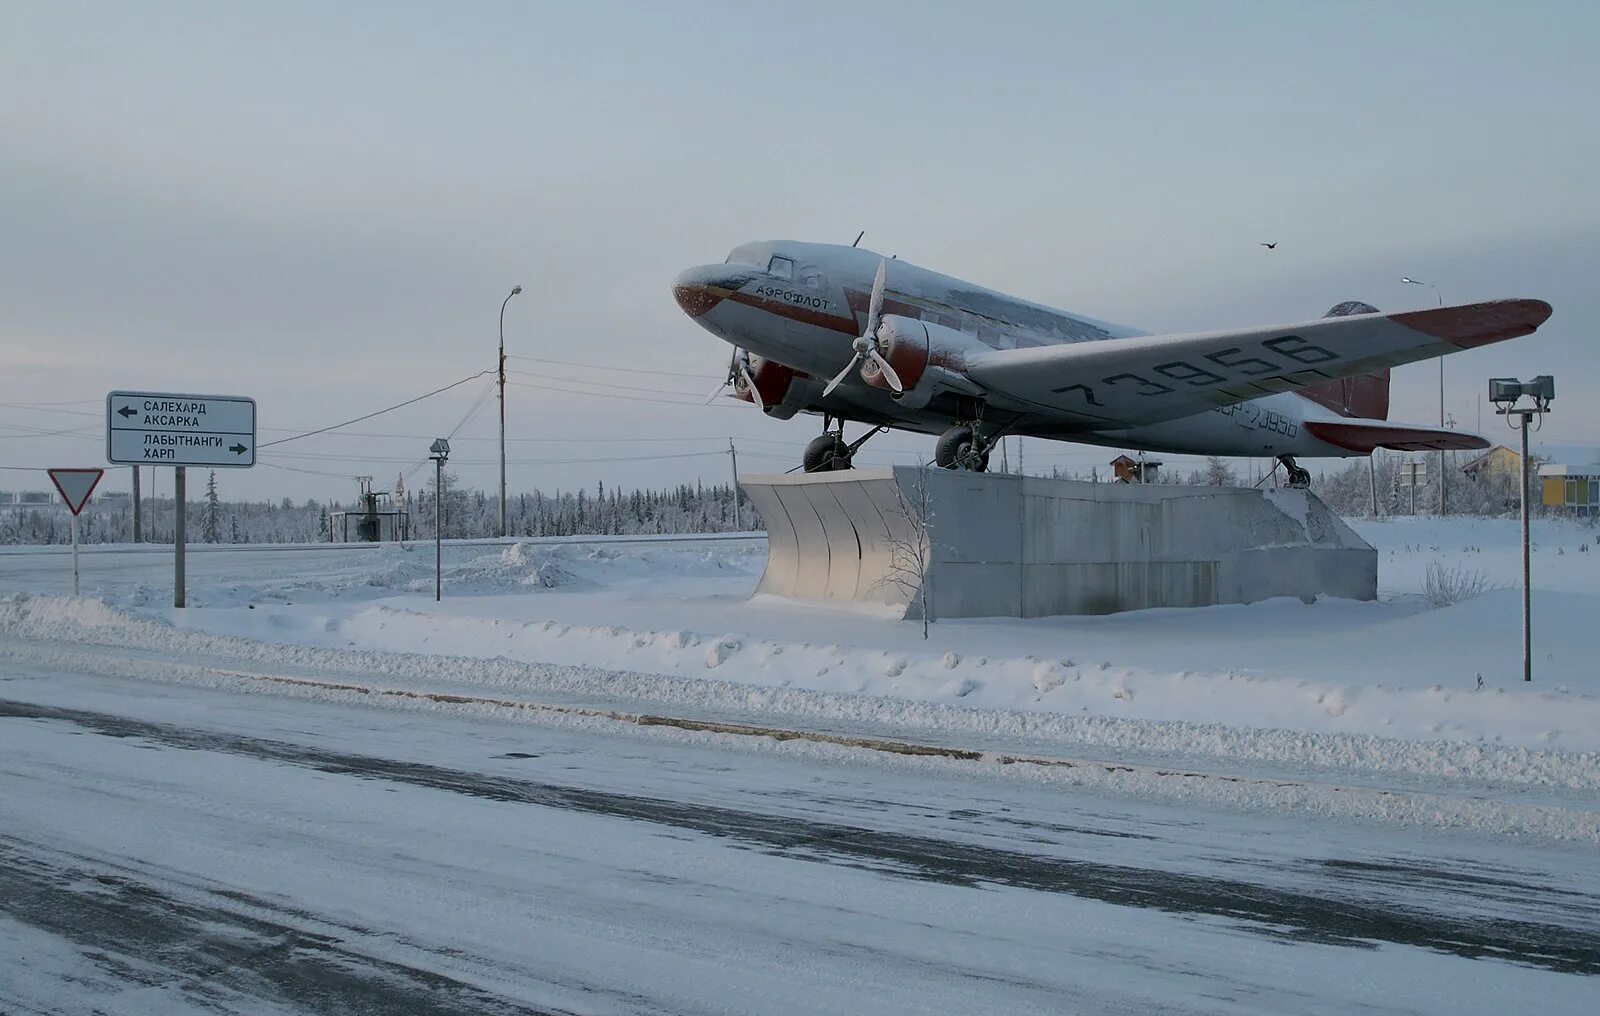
pixel 783 389
pixel 916 350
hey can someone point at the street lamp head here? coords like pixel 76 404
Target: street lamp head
pixel 1406 279
pixel 515 290
pixel 440 449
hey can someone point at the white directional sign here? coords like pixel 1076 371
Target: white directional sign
pixel 159 429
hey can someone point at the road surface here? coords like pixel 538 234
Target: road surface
pixel 167 848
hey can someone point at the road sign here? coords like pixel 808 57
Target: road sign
pixel 76 485
pixel 1413 474
pixel 159 429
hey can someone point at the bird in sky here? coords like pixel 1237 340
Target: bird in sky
pixel 1270 246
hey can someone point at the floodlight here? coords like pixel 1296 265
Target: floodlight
pixel 1504 390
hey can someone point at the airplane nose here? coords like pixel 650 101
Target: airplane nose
pixel 699 289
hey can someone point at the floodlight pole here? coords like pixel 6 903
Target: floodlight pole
pixel 501 370
pixel 438 535
pixel 1506 394
pixel 1527 566
pixel 438 451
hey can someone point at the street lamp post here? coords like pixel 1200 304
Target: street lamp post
pixel 1416 282
pixel 439 451
pixel 501 369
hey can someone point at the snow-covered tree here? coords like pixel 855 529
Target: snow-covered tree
pixel 211 519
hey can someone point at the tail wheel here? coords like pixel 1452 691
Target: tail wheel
pixel 825 453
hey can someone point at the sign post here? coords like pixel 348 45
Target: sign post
pixel 75 486
pixel 165 429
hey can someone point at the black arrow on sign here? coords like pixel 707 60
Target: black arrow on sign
pixel 238 449
pixel 126 411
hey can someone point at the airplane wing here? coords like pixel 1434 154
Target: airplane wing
pixel 1126 382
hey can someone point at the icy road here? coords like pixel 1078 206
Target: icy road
pixel 168 848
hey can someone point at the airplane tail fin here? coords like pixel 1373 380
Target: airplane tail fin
pixel 1366 395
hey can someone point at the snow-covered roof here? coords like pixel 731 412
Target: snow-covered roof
pixel 1569 469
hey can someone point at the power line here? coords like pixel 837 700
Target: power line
pixel 380 412
pixel 43 409
pixel 604 384
pixel 37 432
pixel 611 367
pixel 612 395
pixel 297 469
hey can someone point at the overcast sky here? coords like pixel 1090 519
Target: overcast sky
pixel 322 206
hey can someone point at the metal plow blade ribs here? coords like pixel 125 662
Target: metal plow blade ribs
pixel 841 537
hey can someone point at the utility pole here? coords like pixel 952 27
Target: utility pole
pixel 500 369
pixel 137 529
pixel 733 453
pixel 1441 427
pixel 1416 282
pixel 1372 480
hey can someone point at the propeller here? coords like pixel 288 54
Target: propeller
pixel 739 369
pixel 866 344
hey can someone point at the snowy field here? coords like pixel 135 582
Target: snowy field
pixel 1219 679
pixel 599 777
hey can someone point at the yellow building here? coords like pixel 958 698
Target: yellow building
pixel 1497 461
pixel 1574 487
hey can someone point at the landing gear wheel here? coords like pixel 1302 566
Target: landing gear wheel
pixel 957 449
pixel 825 453
pixel 1298 475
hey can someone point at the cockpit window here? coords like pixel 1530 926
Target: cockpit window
pixel 811 275
pixel 783 268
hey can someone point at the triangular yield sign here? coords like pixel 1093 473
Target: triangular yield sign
pixel 76 485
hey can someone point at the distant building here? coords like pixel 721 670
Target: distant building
pixel 1570 486
pixel 1498 461
pixel 1128 469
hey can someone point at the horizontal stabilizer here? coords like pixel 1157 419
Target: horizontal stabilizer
pixel 1366 435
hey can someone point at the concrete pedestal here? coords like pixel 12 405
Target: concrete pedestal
pixel 1023 546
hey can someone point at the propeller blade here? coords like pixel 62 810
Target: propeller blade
pixel 733 365
pixel 875 305
pixel 755 393
pixel 838 378
pixel 888 372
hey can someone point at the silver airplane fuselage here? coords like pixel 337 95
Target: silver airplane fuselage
pixel 803 305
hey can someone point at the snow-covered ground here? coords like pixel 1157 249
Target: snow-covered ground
pixel 1395 693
